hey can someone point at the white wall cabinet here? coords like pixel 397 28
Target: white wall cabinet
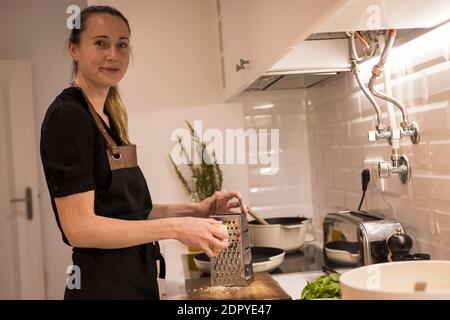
pixel 262 32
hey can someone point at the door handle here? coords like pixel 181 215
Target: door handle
pixel 29 201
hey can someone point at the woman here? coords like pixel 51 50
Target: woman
pixel 99 195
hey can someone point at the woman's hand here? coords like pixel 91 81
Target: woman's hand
pixel 201 233
pixel 221 202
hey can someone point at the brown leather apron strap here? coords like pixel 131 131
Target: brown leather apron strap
pixel 119 157
pixel 112 146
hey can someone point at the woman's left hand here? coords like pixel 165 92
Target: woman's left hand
pixel 221 202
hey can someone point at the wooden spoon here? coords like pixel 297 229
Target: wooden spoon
pixel 257 217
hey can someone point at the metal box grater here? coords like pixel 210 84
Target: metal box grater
pixel 233 266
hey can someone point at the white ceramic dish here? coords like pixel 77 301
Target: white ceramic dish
pixel 267 266
pixel 271 264
pixel 407 280
pixel 286 233
pixel 342 257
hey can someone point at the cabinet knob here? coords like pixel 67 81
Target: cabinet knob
pixel 241 64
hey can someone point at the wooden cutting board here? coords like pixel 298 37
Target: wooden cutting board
pixel 263 287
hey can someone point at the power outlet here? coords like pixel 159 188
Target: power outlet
pixel 375 182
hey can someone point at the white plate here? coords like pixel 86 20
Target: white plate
pixel 342 257
pixel 264 266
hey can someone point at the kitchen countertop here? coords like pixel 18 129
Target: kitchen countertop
pixel 293 283
pixel 298 268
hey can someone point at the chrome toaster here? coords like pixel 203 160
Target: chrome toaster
pixel 356 238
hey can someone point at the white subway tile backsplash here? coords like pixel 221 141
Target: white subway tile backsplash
pixel 290 210
pixel 416 218
pixel 357 184
pixel 417 155
pixel 443 226
pixel 349 108
pixel 438 79
pixel 314 119
pixel 435 121
pixel 286 175
pixel 343 179
pixel 445 253
pixel 379 203
pixel 335 198
pixel 330 114
pixel 443 96
pixel 397 72
pixel 315 155
pixel 380 150
pixel 340 133
pixel 352 156
pixel 288 191
pixel 439 155
pixel 317 224
pixel 262 121
pixel 314 178
pixel 311 137
pixel 431 188
pixel 351 201
pixel 318 194
pixel 428 246
pixel 332 155
pixel 292 139
pixel 359 130
pixel 290 120
pixel 322 136
pixel 395 187
pixel 293 157
pixel 325 175
pixel 270 196
pixel 410 90
pixel 367 109
pixel 427 57
pixel 399 92
pixel 416 93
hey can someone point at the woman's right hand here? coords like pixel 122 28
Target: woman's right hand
pixel 201 233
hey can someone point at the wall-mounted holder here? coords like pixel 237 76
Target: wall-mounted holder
pixel 412 131
pixel 402 168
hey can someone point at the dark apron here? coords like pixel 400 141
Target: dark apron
pixel 128 273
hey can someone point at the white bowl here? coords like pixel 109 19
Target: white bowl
pixel 398 281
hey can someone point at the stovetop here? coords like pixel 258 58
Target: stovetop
pixel 308 258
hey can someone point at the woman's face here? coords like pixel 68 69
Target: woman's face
pixel 103 53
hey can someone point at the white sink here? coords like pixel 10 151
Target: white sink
pixel 398 281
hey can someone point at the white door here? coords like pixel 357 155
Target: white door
pixel 21 263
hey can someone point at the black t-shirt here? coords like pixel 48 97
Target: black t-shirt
pixel 73 151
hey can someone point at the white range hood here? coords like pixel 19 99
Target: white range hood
pixel 326 53
pixel 308 64
pixel 387 14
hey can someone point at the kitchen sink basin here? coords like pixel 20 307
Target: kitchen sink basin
pixel 398 281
